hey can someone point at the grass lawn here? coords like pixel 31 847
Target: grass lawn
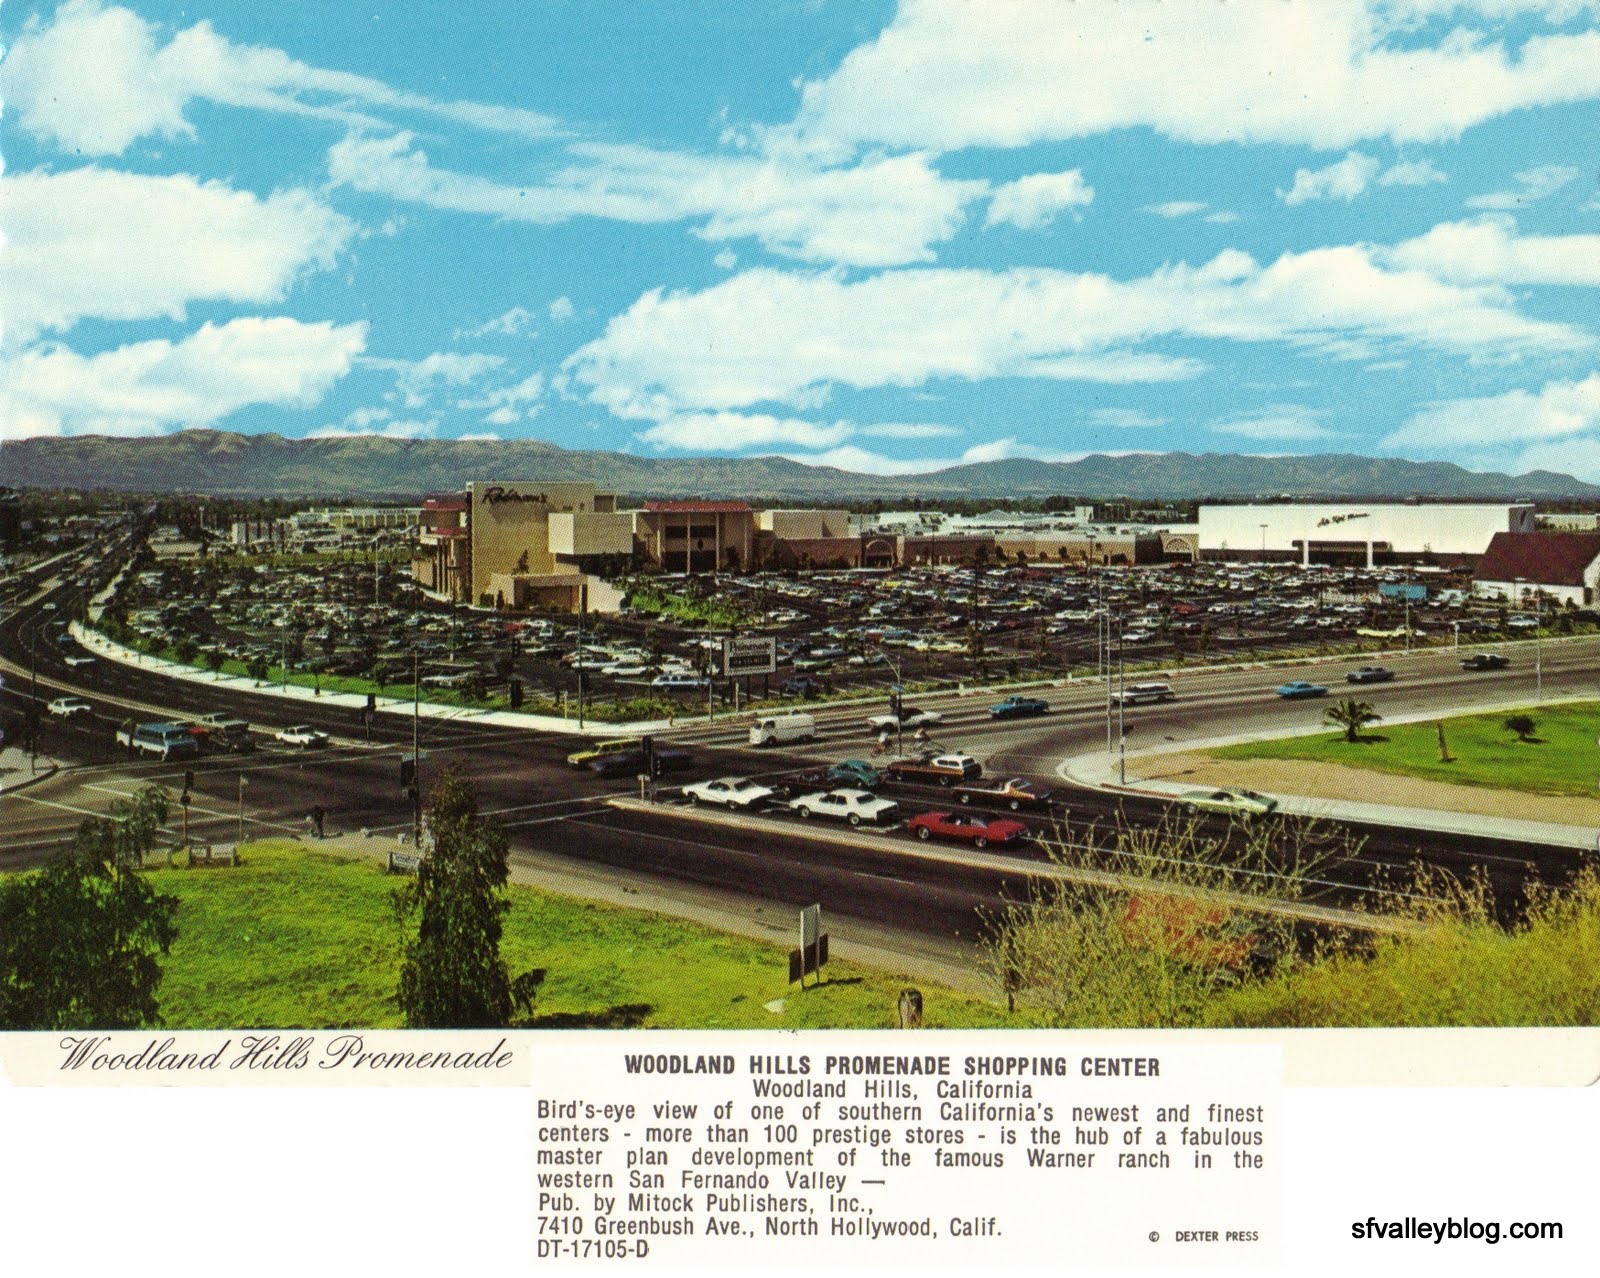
pixel 296 938
pixel 1561 757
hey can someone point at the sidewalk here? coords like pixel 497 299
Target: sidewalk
pixel 1101 770
pixel 18 771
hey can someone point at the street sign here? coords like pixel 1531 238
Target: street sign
pixel 749 656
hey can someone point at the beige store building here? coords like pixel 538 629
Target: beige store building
pixel 534 544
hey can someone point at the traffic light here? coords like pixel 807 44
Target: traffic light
pixel 372 704
pixel 516 694
pixel 408 773
pixel 894 703
pixel 188 781
pixel 647 745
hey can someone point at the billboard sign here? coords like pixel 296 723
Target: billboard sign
pixel 749 656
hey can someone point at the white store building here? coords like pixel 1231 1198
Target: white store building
pixel 1357 532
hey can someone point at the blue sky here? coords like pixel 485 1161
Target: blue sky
pixel 887 237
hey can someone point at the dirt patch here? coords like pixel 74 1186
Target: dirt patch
pixel 1361 785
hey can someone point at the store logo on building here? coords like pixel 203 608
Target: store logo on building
pixel 1339 519
pixel 496 494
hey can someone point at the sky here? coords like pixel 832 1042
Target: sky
pixel 888 237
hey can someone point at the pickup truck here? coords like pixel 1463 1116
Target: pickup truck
pixel 941 769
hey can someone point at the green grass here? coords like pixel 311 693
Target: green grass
pixel 298 938
pixel 1560 759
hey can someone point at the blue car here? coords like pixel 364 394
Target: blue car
pixel 1018 707
pixel 855 772
pixel 1300 688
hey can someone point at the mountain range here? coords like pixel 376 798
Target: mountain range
pixel 366 467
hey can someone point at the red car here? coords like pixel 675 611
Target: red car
pixel 973 828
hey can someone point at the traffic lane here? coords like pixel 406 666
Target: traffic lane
pixel 940 900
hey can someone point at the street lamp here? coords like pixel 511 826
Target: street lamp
pixel 242 781
pixel 899 703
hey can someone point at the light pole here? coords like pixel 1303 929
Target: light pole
pixel 242 782
pixel 899 713
pixel 1263 543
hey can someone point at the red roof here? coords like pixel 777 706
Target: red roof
pixel 1540 558
pixel 698 507
pixel 445 503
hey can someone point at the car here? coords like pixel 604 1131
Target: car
pixel 1139 693
pixel 803 686
pixel 980 831
pixel 70 707
pixel 1013 793
pixel 729 792
pixel 908 718
pixel 1523 623
pixel 858 807
pixel 1370 674
pixel 1485 661
pixel 1018 707
pixel 856 773
pixel 942 769
pixel 77 659
pixel 302 735
pixel 1300 688
pixel 631 762
pixel 625 669
pixel 1241 803
pixel 600 749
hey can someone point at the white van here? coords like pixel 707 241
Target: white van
pixel 779 729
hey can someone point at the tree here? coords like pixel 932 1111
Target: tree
pixel 259 668
pixel 452 975
pixel 215 658
pixel 81 939
pixel 1523 725
pixel 1352 716
pixel 186 649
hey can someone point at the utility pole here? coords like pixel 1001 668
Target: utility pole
pixel 583 607
pixel 1109 698
pixel 283 661
pixel 1122 727
pixel 242 781
pixel 416 762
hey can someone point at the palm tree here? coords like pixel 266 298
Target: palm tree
pixel 1352 716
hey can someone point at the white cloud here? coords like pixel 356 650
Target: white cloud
pixel 1343 180
pixel 950 74
pixel 1287 421
pixel 1413 173
pixel 98 243
pixel 390 430
pixel 1558 411
pixel 153 386
pixel 517 322
pixel 885 211
pixel 1221 216
pixel 766 336
pixel 417 379
pixel 1032 202
pixel 1176 208
pixel 509 404
pixel 561 310
pixel 480 437
pixel 1489 250
pixel 865 462
pixel 1125 418
pixel 721 432
pixel 1532 185
pixel 909 430
pixel 95 79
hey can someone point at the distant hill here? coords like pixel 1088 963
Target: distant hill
pixel 367 467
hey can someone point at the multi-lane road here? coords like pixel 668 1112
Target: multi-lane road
pixel 558 817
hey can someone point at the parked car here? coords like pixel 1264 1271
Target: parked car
pixel 970 827
pixel 855 806
pixel 70 707
pixel 729 792
pixel 1370 674
pixel 1018 707
pixel 1013 792
pixel 803 686
pixel 943 769
pixel 302 735
pixel 1138 693
pixel 1300 688
pixel 857 773
pixel 908 718
pixel 1243 803
pixel 600 749
pixel 1485 661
